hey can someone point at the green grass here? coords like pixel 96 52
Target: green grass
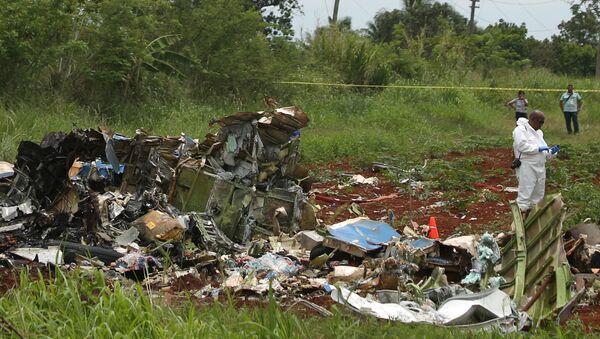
pixel 367 124
pixel 83 305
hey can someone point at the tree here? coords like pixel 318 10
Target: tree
pixel 417 16
pixel 122 46
pixel 381 29
pixel 357 59
pixel 36 37
pixel 562 56
pixel 226 41
pixel 451 52
pixel 573 58
pixel 584 27
pixel 501 45
pixel 277 14
pixel 543 53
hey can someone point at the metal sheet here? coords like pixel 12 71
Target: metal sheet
pixel 476 307
pixel 534 252
pixel 192 187
pixel 11 228
pixel 6 169
pixel 362 232
pixel 52 254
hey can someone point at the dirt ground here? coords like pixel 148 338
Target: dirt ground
pixel 479 216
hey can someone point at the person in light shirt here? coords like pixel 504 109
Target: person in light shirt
pixel 570 104
pixel 519 104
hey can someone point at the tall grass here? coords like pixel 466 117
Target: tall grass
pixel 345 123
pixel 82 305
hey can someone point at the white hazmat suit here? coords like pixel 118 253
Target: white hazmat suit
pixel 531 175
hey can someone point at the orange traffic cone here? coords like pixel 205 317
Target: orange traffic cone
pixel 433 231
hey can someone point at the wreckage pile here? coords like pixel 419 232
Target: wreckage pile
pixel 236 208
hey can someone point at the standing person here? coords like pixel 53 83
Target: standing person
pixel 531 149
pixel 570 104
pixel 519 104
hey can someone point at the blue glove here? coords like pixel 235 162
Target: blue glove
pixel 555 149
pixel 543 148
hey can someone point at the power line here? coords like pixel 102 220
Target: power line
pixel 529 4
pixel 523 6
pixel 534 18
pixel 494 2
pixel 500 10
pixel 541 30
pixel 360 6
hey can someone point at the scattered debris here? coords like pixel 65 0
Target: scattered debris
pixel 234 213
pixel 360 180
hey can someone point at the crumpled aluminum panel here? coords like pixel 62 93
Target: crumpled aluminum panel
pixel 536 252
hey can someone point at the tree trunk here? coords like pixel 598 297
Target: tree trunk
pixel 598 61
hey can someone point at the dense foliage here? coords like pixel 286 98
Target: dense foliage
pixel 106 53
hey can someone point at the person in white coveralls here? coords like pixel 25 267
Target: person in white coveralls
pixel 532 151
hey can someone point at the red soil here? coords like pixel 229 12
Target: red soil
pixel 478 216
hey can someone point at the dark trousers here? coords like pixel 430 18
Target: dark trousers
pixel 571 116
pixel 520 115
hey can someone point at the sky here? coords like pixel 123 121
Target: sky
pixel 540 16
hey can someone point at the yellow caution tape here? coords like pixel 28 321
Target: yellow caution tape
pixel 474 88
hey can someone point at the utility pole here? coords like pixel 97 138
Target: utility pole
pixel 336 7
pixel 472 20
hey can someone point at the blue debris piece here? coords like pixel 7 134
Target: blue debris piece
pixel 295 134
pixel 391 216
pixel 120 137
pixel 362 232
pixel 103 168
pixel 84 171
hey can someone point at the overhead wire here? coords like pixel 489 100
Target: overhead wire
pixel 499 9
pixel 528 4
pixel 533 16
pixel 360 6
pixel 523 6
pixel 506 16
pixel 541 30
